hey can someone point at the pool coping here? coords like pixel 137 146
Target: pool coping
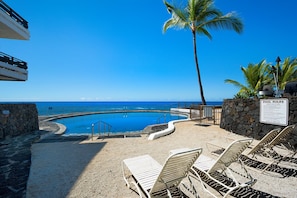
pixel 170 129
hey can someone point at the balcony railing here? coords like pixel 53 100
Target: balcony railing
pixel 15 16
pixel 13 61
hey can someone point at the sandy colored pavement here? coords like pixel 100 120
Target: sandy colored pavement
pixel 93 168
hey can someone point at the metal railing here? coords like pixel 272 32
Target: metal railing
pixel 205 114
pixel 161 119
pixel 103 127
pixel 12 61
pixel 14 15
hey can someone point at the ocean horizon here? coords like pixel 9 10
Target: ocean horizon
pixel 64 107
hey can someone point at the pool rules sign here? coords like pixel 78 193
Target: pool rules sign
pixel 274 111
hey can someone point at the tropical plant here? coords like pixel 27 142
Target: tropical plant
pixel 255 78
pixel 241 95
pixel 199 16
pixel 285 72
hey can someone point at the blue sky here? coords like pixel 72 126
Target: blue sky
pixel 115 50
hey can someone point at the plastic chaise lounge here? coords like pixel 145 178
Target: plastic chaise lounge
pixel 154 180
pixel 279 141
pixel 218 173
pixel 257 148
pixel 282 137
pixel 264 142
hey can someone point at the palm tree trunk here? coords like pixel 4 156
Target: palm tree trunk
pixel 198 70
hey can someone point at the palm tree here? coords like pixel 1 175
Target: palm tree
pixel 286 72
pixel 199 16
pixel 255 77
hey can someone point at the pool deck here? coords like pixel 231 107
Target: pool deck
pixel 92 168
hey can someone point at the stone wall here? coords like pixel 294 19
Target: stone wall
pixel 242 116
pixel 17 119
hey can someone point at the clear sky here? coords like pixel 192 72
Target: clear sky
pixel 115 50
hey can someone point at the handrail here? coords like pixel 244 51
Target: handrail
pixel 14 15
pixel 159 118
pixel 105 126
pixel 12 60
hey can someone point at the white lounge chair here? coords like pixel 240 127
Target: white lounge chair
pixel 206 169
pixel 154 180
pixel 264 142
pixel 282 137
pixel 271 151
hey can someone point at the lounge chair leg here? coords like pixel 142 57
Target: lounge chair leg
pixel 192 188
pixel 202 184
pixel 138 189
pixel 168 193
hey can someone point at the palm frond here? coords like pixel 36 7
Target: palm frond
pixel 203 31
pixel 287 72
pixel 229 21
pixel 235 83
pixel 255 79
pixel 178 18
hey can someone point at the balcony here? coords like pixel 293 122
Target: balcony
pixel 12 25
pixel 12 69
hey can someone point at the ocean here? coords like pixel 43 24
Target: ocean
pixel 53 108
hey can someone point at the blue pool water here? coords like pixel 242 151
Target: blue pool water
pixel 118 122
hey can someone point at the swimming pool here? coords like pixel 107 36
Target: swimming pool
pixel 116 122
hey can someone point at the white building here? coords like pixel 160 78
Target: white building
pixel 12 26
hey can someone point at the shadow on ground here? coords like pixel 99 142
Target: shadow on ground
pixel 56 167
pixel 283 171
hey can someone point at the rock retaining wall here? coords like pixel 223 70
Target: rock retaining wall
pixel 242 116
pixel 17 119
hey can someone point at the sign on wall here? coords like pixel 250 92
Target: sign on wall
pixel 274 111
